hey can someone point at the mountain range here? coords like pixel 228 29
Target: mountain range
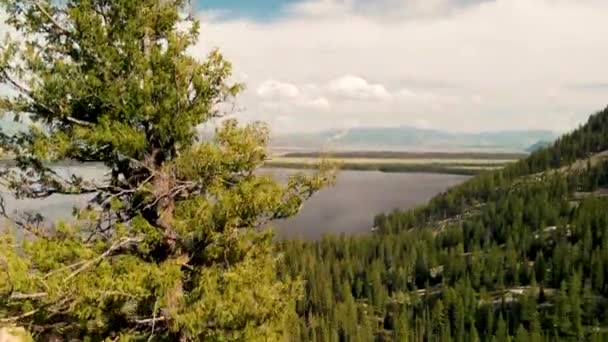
pixel 410 138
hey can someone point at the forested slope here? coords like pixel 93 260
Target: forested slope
pixel 520 254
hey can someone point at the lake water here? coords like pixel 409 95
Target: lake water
pixel 351 204
pixel 347 207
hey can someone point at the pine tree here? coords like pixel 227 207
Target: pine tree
pixel 575 304
pixel 474 336
pixel 521 335
pixel 402 332
pixel 438 315
pixel 502 333
pixel 535 328
pixel 171 245
pixel 562 309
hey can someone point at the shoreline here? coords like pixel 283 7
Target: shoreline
pixel 448 169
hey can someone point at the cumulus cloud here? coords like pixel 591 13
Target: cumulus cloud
pixel 277 89
pixel 320 8
pixel 357 88
pixel 320 103
pixel 347 87
pixel 406 92
pixel 277 94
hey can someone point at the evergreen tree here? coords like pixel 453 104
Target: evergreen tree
pixel 502 333
pixel 172 244
pixel 521 335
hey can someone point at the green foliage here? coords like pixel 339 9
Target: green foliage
pixel 173 246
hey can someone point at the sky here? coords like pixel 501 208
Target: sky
pixel 454 65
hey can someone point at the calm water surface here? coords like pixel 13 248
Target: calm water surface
pixel 347 207
pixel 351 204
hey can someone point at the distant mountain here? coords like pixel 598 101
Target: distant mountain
pixel 539 145
pixel 410 137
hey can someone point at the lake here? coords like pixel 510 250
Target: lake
pixel 347 207
pixel 351 204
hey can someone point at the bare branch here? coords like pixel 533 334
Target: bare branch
pixel 150 320
pixel 20 296
pixel 50 18
pixel 16 318
pixel 79 122
pixel 22 89
pixel 153 320
pixel 119 244
pixel 65 268
pixel 123 192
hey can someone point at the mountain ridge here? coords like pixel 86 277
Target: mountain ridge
pixel 407 137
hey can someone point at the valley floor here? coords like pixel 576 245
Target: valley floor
pixel 388 161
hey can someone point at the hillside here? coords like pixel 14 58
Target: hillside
pixel 539 145
pixel 366 138
pixel 519 253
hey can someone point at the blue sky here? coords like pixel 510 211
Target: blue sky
pixel 256 9
pixel 263 10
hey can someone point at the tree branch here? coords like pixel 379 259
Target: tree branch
pixel 153 320
pixel 150 320
pixel 68 267
pixel 119 244
pixel 50 18
pixel 20 296
pixel 123 192
pixel 22 89
pixel 79 122
pixel 16 318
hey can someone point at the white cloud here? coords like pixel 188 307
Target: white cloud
pixel 282 96
pixel 477 99
pixel 320 103
pixel 405 92
pixel 277 89
pixel 357 88
pixel 422 124
pixel 320 8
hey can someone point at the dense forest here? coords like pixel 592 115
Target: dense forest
pixel 517 254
